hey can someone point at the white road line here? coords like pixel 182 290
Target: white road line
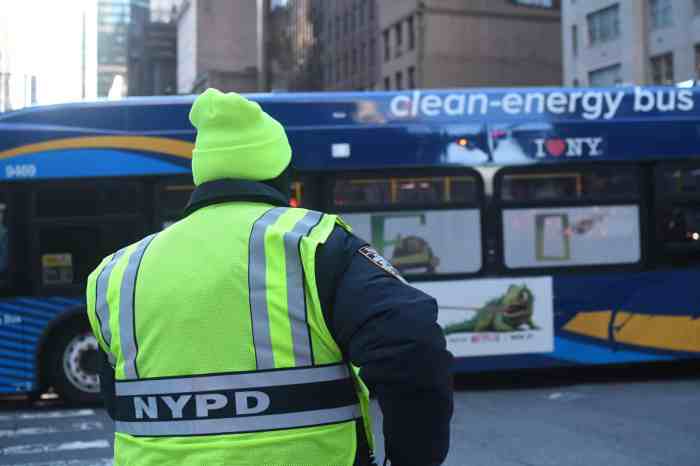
pixel 49 414
pixel 93 462
pixel 53 447
pixel 74 427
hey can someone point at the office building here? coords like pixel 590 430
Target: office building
pixel 608 42
pixel 217 45
pixel 152 47
pixel 460 43
pixel 113 19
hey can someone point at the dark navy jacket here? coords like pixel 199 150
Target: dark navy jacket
pixel 382 325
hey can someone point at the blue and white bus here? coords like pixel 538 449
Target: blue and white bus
pixel 555 227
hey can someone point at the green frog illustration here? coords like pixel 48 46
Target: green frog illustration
pixel 507 313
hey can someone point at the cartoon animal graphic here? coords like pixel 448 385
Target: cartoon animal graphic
pixel 507 313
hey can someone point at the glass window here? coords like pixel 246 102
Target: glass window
pixel 404 191
pixel 387 83
pixel 696 6
pixel 660 14
pixel 575 185
pixel 411 33
pixel 570 236
pixel 604 77
pixel 4 236
pixel 85 200
pixel 662 69
pixel 387 45
pixel 399 38
pixel 411 77
pixel 68 253
pixel 399 80
pixel 172 200
pixel 604 25
pixel 679 181
pixel 574 40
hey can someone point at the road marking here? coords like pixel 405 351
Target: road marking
pixel 93 462
pixel 74 427
pixel 54 447
pixel 49 414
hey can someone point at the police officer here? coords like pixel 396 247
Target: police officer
pixel 245 333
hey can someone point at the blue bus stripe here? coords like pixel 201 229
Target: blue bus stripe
pixel 27 320
pixel 5 388
pixel 15 364
pixel 68 301
pixel 16 346
pixel 16 373
pixel 25 356
pixel 40 304
pixel 18 336
pixel 19 309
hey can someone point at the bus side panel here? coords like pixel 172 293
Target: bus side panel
pixel 605 319
pixel 23 322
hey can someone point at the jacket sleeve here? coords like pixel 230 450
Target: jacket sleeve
pixel 389 329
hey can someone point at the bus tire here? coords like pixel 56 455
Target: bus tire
pixel 73 359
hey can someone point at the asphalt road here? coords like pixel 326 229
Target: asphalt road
pixel 609 423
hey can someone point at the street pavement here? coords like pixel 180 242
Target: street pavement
pixel 613 423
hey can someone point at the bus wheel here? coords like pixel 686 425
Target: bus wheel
pixel 74 365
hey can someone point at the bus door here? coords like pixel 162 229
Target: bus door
pixel 75 224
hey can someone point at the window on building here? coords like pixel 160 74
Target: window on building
pixel 696 6
pixel 411 33
pixel 363 55
pixel 372 45
pixel 604 25
pixel 387 83
pixel 399 39
pixel 399 80
pixel 387 45
pixel 411 77
pixel 352 20
pixel 361 15
pixel 608 76
pixel 575 83
pixel 353 69
pixel 574 40
pixel 346 66
pixel 660 14
pixel 330 29
pixel 697 61
pixel 337 28
pixel 662 69
pixel 346 22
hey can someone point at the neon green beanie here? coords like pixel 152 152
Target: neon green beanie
pixel 236 139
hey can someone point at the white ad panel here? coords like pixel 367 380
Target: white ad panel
pixel 495 316
pixel 438 241
pixel 554 237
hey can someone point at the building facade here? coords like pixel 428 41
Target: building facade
pixel 153 49
pixel 461 43
pixel 113 19
pixel 217 46
pixel 608 42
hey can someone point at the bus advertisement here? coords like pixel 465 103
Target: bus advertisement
pixel 555 227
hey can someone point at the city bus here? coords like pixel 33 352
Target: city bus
pixel 555 227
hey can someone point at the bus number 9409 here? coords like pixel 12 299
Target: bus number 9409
pixel 20 171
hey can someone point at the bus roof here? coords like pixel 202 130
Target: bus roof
pixel 351 130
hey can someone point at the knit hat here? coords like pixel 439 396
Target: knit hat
pixel 236 139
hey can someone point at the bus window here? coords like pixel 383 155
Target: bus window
pixel 596 183
pixel 4 237
pixel 581 217
pixel 678 212
pixel 172 200
pixel 297 190
pixel 426 226
pixel 68 253
pixel 89 200
pixel 409 191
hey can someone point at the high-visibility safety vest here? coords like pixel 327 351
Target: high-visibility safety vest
pixel 219 345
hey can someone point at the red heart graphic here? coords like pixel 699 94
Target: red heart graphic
pixel 556 147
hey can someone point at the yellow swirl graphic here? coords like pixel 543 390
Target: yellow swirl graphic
pixel 159 145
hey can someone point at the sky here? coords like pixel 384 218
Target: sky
pixel 46 37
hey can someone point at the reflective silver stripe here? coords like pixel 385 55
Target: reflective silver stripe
pixel 232 381
pixel 101 305
pixel 127 331
pixel 296 302
pixel 240 424
pixel 257 286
